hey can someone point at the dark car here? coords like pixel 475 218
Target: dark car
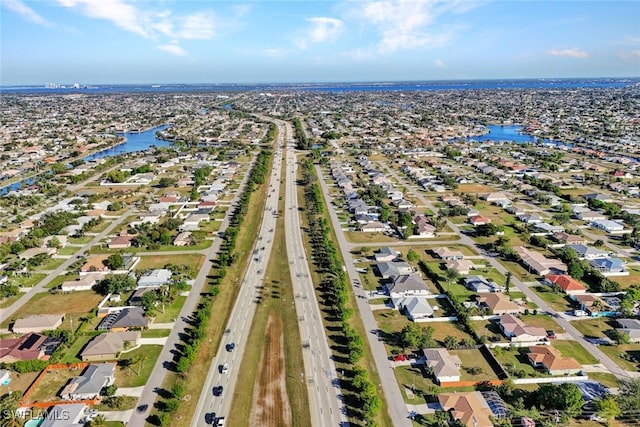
pixel 231 346
pixel 210 418
pixel 142 408
pixel 217 391
pixel 551 335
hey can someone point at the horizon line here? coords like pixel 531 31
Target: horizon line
pixel 318 82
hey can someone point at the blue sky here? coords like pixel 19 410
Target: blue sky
pixel 207 41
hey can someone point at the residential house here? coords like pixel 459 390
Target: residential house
pixel 462 266
pixel 375 227
pixel 120 242
pixel 28 347
pixel 478 220
pixel 183 239
pixel 90 383
pixel 499 303
pixel 444 366
pixel 415 308
pixel 386 254
pixel 481 285
pixel 568 284
pixel 447 254
pixel 569 239
pixel 530 218
pixel 609 226
pixel 610 266
pixel 550 359
pixel 37 323
pixel 407 285
pixel 544 228
pixel 589 252
pixel 594 306
pixel 67 415
pixel 469 408
pixel 515 329
pixel 538 263
pixel 589 215
pixel 631 328
pixel 496 197
pixel 107 346
pixel 123 320
pixel 154 278
pixel 32 252
pixel 393 269
pixel 84 283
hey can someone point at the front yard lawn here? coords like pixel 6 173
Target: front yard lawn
pixel 570 348
pixel 142 361
pixel 557 301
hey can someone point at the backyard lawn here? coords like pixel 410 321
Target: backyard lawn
pixel 193 261
pixel 473 358
pixel 142 360
pixel 48 389
pixel 570 348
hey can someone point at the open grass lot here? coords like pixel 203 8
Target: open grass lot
pixel 78 303
pixel 80 240
pixel 29 281
pixel 52 264
pixel 557 301
pixel 515 362
pixel 594 328
pixel 632 279
pixel 52 384
pixel 138 373
pixel 620 353
pixel 489 329
pixel 473 358
pixel 364 238
pixel 68 250
pixel 415 379
pixel 19 382
pixel 518 271
pixel 542 320
pixel 171 311
pixel 193 261
pixel 475 188
pixel 570 348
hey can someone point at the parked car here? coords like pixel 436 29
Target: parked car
pixel 551 335
pixel 399 358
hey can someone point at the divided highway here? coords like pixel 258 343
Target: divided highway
pixel 239 323
pixel 325 395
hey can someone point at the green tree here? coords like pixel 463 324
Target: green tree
pixel 607 407
pixel 412 256
pixel 566 397
pixel 507 283
pixel 8 409
pixel 598 243
pixel 451 342
pixel 451 275
pixel 628 397
pixel 115 261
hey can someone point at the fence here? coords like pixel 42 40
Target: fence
pixel 25 398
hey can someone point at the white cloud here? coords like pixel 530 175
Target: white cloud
pixel 152 25
pixel 198 26
pixel 570 53
pixel 322 29
pixel 173 49
pixel 118 12
pixel 26 12
pixel 407 24
pixel 633 55
pixel 439 63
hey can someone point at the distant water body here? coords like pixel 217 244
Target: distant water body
pixel 339 87
pixel 513 133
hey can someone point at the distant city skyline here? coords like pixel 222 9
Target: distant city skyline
pixel 174 41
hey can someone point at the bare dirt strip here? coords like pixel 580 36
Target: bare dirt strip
pixel 271 407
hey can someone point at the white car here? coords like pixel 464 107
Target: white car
pixel 224 368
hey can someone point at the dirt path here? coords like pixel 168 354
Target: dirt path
pixel 271 407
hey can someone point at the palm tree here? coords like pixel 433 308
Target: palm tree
pixel 451 275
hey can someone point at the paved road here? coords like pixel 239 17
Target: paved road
pixel 241 318
pixel 40 287
pixel 149 395
pixel 397 408
pixel 325 395
pixel 542 305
